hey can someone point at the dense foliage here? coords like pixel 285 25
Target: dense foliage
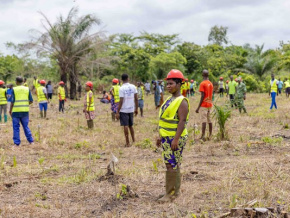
pixel 66 50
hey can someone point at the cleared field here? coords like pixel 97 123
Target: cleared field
pixel 63 174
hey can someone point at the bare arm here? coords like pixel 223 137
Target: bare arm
pixel 182 114
pixel 201 100
pixel 136 103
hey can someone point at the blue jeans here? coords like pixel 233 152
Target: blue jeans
pixel 273 96
pixel 16 131
pixel 43 106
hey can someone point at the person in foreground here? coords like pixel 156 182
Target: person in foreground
pixel 89 105
pixel 20 100
pixel 205 104
pixel 127 106
pixel 173 117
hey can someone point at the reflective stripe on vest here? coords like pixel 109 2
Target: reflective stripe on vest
pixel 40 94
pixel 3 99
pixel 116 93
pixel 168 121
pixel 61 91
pixel 21 94
pixel 274 87
pixel 92 106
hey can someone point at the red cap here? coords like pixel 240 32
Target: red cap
pixel 2 82
pixel 174 74
pixel 61 83
pixel 115 80
pixel 89 84
pixel 221 78
pixel 191 81
pixel 227 81
pixel 42 82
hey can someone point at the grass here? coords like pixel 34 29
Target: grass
pixel 60 176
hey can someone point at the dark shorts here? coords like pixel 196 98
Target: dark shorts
pixel 288 90
pixel 49 95
pixel 221 90
pixel 126 119
pixel 141 103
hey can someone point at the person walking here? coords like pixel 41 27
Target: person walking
pixel 192 87
pixel 205 104
pixel 3 102
pixel 241 95
pixel 232 90
pixel 147 88
pixel 280 86
pixel 287 87
pixel 157 94
pixel 221 87
pixel 61 96
pixel 49 90
pixel 127 106
pixel 9 95
pixel 140 91
pixel 25 82
pixel 115 98
pixel 19 111
pixel 89 105
pixel 273 91
pixel 35 83
pixel 173 117
pixel 42 98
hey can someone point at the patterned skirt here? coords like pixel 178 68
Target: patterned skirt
pixel 90 115
pixel 173 157
pixel 114 106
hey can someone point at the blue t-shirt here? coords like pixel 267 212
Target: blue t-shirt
pixel 9 94
pixel 280 84
pixel 20 114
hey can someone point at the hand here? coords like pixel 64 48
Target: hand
pixel 197 110
pixel 158 142
pixel 136 112
pixel 117 116
pixel 174 145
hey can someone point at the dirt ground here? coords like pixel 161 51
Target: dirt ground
pixel 63 173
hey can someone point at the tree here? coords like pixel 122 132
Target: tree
pixel 67 41
pixel 218 35
pixel 9 65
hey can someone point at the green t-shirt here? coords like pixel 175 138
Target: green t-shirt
pixel 232 87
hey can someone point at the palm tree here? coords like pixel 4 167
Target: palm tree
pixel 67 41
pixel 259 62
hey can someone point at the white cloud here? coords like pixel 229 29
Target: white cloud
pixel 254 22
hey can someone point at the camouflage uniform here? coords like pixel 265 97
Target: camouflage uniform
pixel 239 96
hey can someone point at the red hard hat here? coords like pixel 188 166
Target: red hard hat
pixel 221 78
pixel 115 80
pixel 42 82
pixel 2 82
pixel 191 81
pixel 236 79
pixel 227 81
pixel 174 74
pixel 90 84
pixel 186 79
pixel 61 83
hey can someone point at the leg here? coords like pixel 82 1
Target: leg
pixel 24 122
pixel 131 115
pixel 1 108
pixel 62 106
pixel 59 106
pixel 41 109
pixel 273 100
pixel 141 111
pixel 126 133
pixel 132 133
pixel 5 113
pixel 16 131
pixel 203 128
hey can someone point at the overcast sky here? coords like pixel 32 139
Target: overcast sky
pixel 249 21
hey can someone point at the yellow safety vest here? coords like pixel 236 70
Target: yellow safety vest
pixel 287 84
pixel 35 83
pixel 116 93
pixel 221 83
pixel 92 106
pixel 168 120
pixel 3 99
pixel 61 91
pixel 40 94
pixel 274 87
pixel 25 84
pixel 21 94
pixel 182 88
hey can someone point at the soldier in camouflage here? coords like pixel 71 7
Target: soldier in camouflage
pixel 241 95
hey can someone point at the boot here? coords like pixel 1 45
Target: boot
pixel 5 118
pixel 177 183
pixel 88 122
pixel 113 116
pixel 41 114
pixel 44 114
pixel 170 184
pixel 0 118
pixel 91 124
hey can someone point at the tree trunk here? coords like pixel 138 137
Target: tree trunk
pixel 63 77
pixel 73 83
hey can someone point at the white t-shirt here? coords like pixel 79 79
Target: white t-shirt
pixel 127 92
pixel 147 86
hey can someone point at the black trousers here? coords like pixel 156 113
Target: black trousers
pixel 61 105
